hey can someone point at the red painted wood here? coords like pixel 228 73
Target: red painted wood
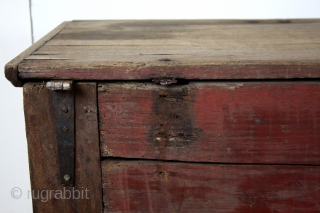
pixel 269 123
pixel 149 186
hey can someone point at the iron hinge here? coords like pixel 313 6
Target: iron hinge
pixel 63 107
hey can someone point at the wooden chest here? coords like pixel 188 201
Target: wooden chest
pixel 173 116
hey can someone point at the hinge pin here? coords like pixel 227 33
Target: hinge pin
pixel 59 85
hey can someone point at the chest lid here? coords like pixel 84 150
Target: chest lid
pixel 186 49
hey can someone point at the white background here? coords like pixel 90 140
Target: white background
pixel 23 21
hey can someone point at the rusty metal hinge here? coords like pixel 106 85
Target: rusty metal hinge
pixel 63 106
pixel 164 81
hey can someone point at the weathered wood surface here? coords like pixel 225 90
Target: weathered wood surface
pixel 43 152
pixel 11 68
pixel 246 122
pixel 43 149
pixel 198 49
pixel 88 167
pixel 155 186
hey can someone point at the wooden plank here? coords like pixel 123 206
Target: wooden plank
pixel 98 24
pixel 156 32
pixel 155 186
pixel 43 152
pixel 11 68
pixel 66 69
pixel 152 54
pixel 244 122
pixel 88 168
pixel 199 49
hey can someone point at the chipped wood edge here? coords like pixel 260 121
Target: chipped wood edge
pixel 11 68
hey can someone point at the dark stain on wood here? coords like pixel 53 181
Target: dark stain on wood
pixel 165 59
pixel 173 125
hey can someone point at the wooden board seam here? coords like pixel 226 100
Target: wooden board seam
pixel 122 159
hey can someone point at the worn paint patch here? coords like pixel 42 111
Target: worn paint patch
pixel 230 86
pixel 173 119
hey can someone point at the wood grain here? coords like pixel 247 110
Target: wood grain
pixel 43 152
pixel 11 68
pixel 88 168
pixel 192 49
pixel 155 186
pixel 244 122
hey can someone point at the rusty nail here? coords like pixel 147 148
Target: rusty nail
pixel 64 109
pixel 65 129
pixel 66 177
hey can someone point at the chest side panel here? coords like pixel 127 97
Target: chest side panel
pixel 47 193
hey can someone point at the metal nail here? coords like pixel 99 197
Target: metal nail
pixel 65 129
pixel 66 177
pixel 64 109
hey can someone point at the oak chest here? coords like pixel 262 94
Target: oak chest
pixel 173 116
